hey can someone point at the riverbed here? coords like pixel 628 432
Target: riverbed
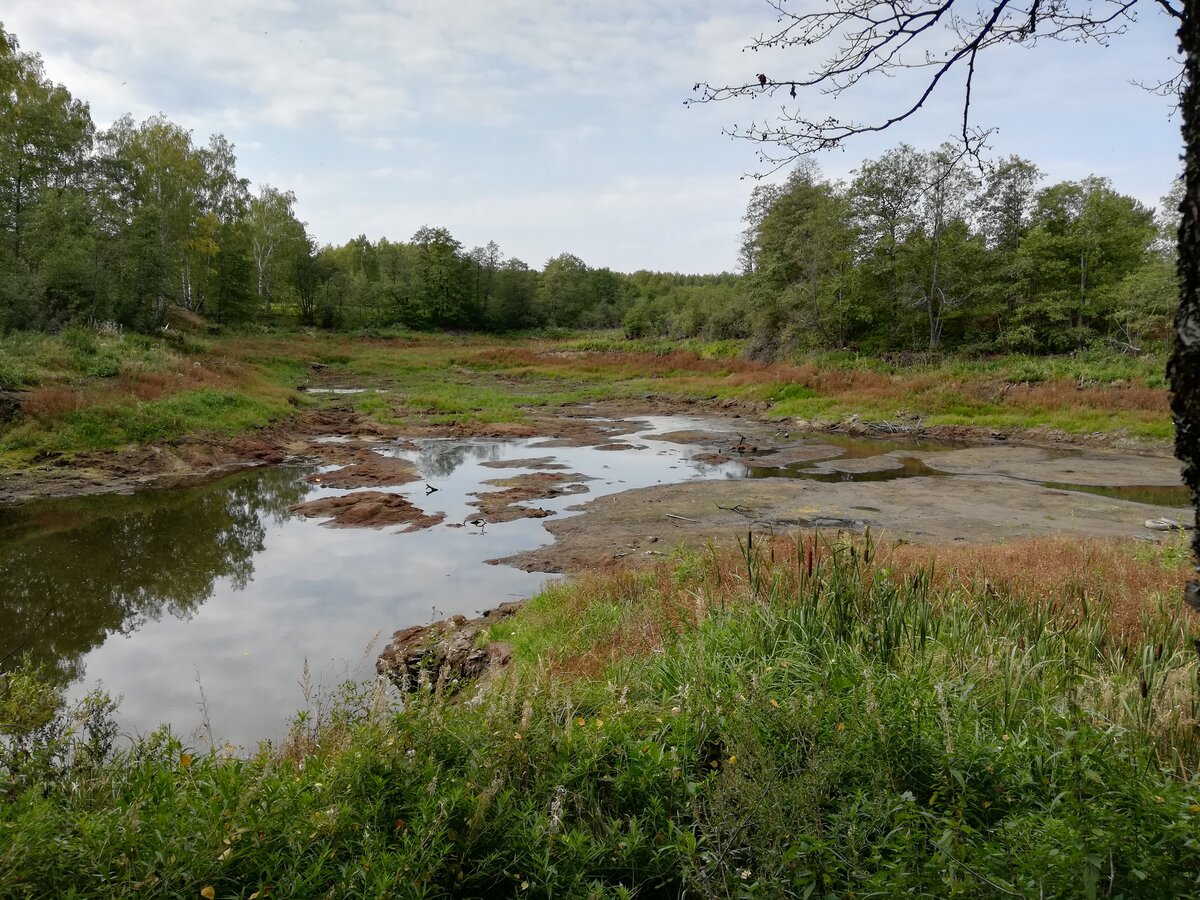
pixel 205 606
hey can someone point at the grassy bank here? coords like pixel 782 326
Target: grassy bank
pixel 442 380
pixel 82 391
pixel 797 719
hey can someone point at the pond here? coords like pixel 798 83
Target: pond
pixel 209 603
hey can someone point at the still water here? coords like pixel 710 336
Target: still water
pixel 219 591
pixel 160 594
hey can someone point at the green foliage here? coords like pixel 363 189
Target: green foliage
pixel 826 729
pixel 918 253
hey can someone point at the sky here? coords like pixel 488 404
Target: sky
pixel 556 126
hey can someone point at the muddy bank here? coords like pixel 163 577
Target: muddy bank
pixel 743 431
pixel 190 462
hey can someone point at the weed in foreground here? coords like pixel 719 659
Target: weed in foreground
pixel 799 719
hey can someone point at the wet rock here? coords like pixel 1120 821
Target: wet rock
pixel 544 464
pixel 859 466
pixel 799 453
pixel 501 506
pixel 445 655
pixel 695 436
pixel 369 469
pixel 258 451
pixel 367 509
pixel 345 422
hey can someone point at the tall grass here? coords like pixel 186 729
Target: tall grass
pixel 795 719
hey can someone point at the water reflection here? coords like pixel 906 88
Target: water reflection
pixel 152 593
pixel 439 459
pixel 1155 495
pixel 73 572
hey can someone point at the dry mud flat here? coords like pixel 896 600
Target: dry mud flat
pixel 975 495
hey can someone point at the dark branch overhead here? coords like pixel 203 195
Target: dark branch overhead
pixel 880 38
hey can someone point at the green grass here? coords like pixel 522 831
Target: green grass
pixel 106 426
pixel 192 390
pixel 811 724
pixel 440 380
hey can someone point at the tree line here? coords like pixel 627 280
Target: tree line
pixel 938 250
pixel 126 224
pixel 919 250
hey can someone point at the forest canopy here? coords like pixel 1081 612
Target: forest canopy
pixel 919 250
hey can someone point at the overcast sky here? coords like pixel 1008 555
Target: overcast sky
pixel 552 126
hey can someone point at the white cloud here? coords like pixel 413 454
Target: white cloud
pixel 540 123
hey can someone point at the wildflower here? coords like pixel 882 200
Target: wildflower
pixel 733 760
pixel 581 721
pixel 599 723
pixel 841 726
pixel 1194 808
pixel 517 735
pixel 775 703
pixel 745 873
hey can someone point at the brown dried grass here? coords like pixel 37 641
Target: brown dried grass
pixel 53 403
pixel 1066 572
pixel 1065 393
pixel 1064 575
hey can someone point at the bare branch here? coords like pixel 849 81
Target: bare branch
pixel 881 38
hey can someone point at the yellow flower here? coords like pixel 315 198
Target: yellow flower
pixel 581 721
pixel 841 726
pixel 185 759
pixel 733 760
pixel 208 892
pixel 775 703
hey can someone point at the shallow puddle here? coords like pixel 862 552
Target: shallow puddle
pixel 209 602
pixel 1179 497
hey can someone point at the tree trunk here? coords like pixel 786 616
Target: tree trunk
pixel 1184 367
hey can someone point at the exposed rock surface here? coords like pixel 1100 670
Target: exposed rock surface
pixel 445 654
pixel 368 469
pixel 368 509
pixel 983 509
pixel 502 506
